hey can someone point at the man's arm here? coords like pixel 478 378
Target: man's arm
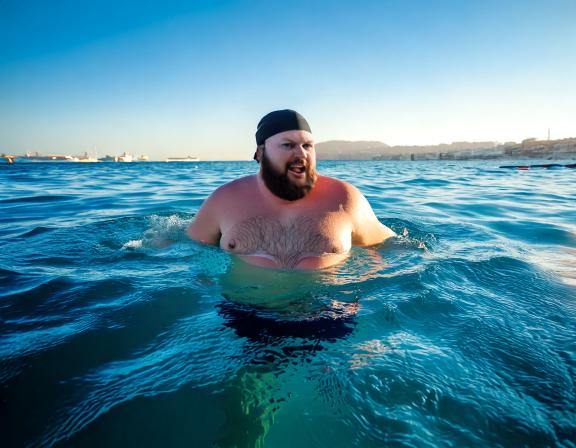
pixel 206 225
pixel 367 230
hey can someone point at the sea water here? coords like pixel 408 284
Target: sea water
pixel 116 330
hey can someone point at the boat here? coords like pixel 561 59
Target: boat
pixel 182 159
pixel 86 159
pixel 125 157
pixel 36 157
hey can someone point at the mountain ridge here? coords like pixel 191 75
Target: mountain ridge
pixel 375 150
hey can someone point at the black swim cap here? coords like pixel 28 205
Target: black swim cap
pixel 280 121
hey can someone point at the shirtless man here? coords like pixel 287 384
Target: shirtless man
pixel 287 216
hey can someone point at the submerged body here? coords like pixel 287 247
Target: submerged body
pixel 287 216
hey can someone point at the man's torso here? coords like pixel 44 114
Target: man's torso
pixel 311 233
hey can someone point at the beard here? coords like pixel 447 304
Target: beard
pixel 280 184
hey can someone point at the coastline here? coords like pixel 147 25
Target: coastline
pixel 527 149
pixel 562 149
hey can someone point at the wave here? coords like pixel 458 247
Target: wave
pixel 35 231
pixel 39 199
pixel 192 353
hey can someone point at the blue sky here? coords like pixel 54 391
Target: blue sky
pixel 175 78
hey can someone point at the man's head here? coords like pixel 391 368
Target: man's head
pixel 286 153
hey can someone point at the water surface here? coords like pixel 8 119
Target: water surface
pixel 460 332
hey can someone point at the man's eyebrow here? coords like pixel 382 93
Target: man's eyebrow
pixel 286 139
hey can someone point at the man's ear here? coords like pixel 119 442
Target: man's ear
pixel 258 153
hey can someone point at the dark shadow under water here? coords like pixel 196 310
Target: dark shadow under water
pixel 273 346
pixel 280 336
pixel 249 322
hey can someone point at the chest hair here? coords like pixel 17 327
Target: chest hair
pixel 286 242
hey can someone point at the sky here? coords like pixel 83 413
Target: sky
pixel 174 78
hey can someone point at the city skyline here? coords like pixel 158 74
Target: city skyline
pixel 177 79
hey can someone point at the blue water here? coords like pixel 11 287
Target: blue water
pixel 460 332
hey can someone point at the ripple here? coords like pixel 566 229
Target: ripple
pixel 26 296
pixel 190 353
pixel 36 231
pixel 8 275
pixel 535 232
pixel 38 199
pixel 427 182
pixel 23 343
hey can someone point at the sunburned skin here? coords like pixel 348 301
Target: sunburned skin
pixel 264 220
pixel 302 242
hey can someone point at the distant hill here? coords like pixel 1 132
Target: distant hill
pixel 347 150
pixel 368 150
pixel 371 150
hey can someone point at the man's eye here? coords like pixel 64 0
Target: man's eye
pixel 287 145
pixel 308 146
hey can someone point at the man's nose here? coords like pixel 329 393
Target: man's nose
pixel 299 151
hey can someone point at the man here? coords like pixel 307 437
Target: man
pixel 287 216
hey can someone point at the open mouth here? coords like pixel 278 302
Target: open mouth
pixel 297 168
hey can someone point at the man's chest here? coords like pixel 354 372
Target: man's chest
pixel 290 237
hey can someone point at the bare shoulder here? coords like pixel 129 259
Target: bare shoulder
pixel 367 229
pixel 347 194
pixel 207 224
pixel 231 190
pixel 246 181
pixel 335 187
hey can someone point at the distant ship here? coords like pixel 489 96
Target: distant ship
pixel 86 159
pixel 125 157
pixel 183 159
pixel 36 157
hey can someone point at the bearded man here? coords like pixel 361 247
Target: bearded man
pixel 287 216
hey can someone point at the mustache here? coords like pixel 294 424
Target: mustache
pixel 297 162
